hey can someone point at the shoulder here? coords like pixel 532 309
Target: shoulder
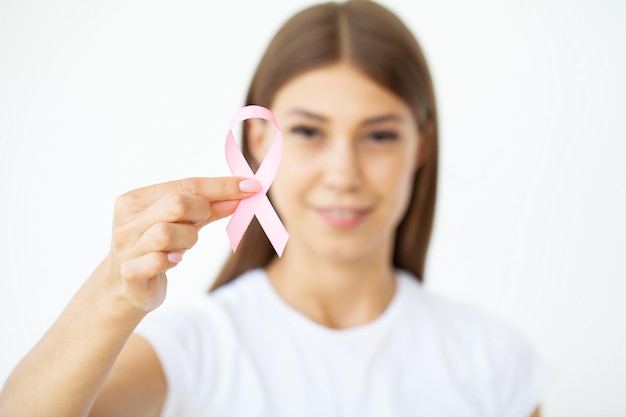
pixel 477 350
pixel 206 313
pixel 195 325
pixel 196 339
pixel 455 322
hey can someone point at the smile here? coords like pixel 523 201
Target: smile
pixel 343 218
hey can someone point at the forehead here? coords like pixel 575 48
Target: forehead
pixel 338 90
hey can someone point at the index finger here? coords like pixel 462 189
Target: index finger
pixel 213 189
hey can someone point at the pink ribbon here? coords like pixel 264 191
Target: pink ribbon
pixel 257 205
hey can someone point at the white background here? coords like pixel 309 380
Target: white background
pixel 97 98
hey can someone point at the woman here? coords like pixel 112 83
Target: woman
pixel 340 324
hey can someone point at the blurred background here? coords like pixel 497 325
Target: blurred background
pixel 97 98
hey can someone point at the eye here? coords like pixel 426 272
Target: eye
pixel 382 136
pixel 306 132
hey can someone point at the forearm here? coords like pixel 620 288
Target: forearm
pixel 62 374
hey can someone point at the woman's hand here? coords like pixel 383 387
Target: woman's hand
pixel 155 225
pixel 152 227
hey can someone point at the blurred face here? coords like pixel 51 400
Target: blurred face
pixel 351 149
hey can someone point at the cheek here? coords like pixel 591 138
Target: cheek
pixel 405 191
pixel 396 186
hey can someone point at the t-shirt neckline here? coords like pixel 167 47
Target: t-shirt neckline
pixel 382 323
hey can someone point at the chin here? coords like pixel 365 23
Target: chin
pixel 349 250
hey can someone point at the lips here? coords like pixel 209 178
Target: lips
pixel 343 218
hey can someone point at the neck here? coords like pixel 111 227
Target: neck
pixel 336 294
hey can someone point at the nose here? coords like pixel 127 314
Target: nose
pixel 342 167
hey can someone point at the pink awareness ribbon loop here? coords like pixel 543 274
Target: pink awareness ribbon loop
pixel 257 205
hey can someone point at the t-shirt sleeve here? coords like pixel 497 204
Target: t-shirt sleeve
pixel 177 335
pixel 522 378
pixel 508 377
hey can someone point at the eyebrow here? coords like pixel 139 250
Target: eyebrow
pixel 391 117
pixel 369 121
pixel 306 113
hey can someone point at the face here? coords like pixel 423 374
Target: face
pixel 350 153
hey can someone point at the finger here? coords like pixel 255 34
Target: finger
pixel 175 257
pixel 167 237
pixel 145 267
pixel 126 235
pixel 219 210
pixel 213 189
pixel 172 208
pixel 177 208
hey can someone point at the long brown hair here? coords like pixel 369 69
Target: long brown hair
pixel 376 41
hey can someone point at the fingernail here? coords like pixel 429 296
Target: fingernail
pixel 174 257
pixel 250 186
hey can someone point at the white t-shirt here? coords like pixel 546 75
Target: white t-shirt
pixel 243 351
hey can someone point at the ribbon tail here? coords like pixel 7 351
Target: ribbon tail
pixel 239 222
pixel 271 224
